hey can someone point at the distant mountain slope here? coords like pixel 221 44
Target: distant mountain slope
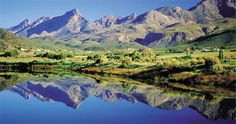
pixel 162 27
pixel 9 41
pixel 225 39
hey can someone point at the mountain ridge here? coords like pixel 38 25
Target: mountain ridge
pixel 205 16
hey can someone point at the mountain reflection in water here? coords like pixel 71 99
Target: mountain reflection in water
pixel 74 90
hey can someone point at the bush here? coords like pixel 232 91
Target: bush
pixel 54 56
pixel 176 51
pixel 115 55
pixel 136 56
pixel 100 59
pixel 125 62
pixel 94 57
pixel 13 53
pixel 210 62
pixel 148 53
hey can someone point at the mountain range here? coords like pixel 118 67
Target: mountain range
pixel 162 27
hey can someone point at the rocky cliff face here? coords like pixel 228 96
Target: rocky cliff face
pixel 154 17
pixel 20 27
pixel 173 24
pixel 73 91
pixel 208 10
pixel 178 13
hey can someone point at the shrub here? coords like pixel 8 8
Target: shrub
pixel 53 56
pixel 210 62
pixel 188 52
pixel 125 62
pixel 115 55
pixel 98 61
pixel 13 53
pixel 136 56
pixel 90 57
pixel 94 57
pixel 100 58
pixel 148 53
pixel 175 50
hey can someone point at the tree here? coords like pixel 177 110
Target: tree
pixel 221 54
pixel 188 52
pixel 210 62
pixel 148 53
pixel 13 53
pixel 100 58
pixel 136 55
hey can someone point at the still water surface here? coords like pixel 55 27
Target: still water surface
pixel 83 100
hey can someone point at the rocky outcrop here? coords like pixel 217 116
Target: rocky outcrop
pixel 210 10
pixel 20 27
pixel 127 19
pixel 150 38
pixel 227 8
pixel 155 17
pixel 178 13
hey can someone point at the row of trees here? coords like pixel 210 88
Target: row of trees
pixel 136 55
pixel 54 56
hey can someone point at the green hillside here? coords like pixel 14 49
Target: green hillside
pixel 8 41
pixel 226 38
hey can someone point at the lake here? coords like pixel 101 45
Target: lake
pixel 83 99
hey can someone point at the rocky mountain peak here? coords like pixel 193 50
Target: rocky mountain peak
pixel 131 16
pixel 177 12
pixel 24 24
pixel 73 12
pixel 40 20
pixel 206 11
pixel 154 17
pixel 127 19
pixel 107 21
pixel 227 8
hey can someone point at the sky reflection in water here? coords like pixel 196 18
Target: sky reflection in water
pixel 98 108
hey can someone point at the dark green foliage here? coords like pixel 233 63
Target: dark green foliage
pixel 126 61
pixel 136 55
pixel 188 52
pixel 94 57
pixel 99 60
pixel 9 81
pixel 210 62
pixel 94 48
pixel 55 56
pixel 221 54
pixel 226 39
pixel 115 55
pixel 13 53
pixel 175 50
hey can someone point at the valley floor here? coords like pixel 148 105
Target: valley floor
pixel 199 69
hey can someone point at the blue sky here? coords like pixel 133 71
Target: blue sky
pixel 13 12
